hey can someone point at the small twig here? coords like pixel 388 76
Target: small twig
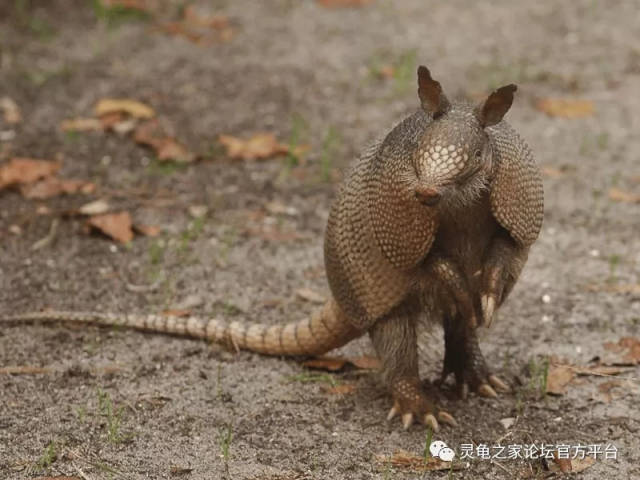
pixel 141 288
pixel 46 240
pixel 503 468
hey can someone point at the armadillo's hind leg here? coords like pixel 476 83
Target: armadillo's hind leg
pixel 464 359
pixel 394 339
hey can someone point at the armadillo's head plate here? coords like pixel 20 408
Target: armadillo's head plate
pixel 453 160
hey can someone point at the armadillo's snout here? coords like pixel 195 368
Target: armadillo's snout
pixel 428 195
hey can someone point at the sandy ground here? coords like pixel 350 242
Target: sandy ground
pixel 122 404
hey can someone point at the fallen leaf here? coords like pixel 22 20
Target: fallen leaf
pixel 81 125
pixel 605 390
pixel 24 370
pixel 123 105
pixel 147 230
pixel 146 6
pixel 551 172
pixel 96 207
pixel 333 364
pixel 628 348
pixel 152 135
pixel 176 312
pixel 408 461
pixel 564 464
pixel 599 370
pixel 575 465
pixel 273 234
pixel 343 3
pixel 558 377
pixel 560 107
pixel 114 225
pixel 53 186
pixel 618 195
pixel 343 389
pixel 310 295
pixel 20 170
pixel 259 146
pixel 199 28
pixel 11 111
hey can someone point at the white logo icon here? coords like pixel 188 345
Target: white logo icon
pixel 440 450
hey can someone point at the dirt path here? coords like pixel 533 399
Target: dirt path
pixel 120 404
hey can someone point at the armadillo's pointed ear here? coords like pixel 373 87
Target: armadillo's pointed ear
pixel 432 98
pixel 496 106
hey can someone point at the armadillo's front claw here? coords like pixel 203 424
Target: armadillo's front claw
pixel 431 421
pixel 488 303
pixel 407 420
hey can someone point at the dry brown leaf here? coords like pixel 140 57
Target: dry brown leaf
pixel 147 230
pixel 605 388
pixel 20 170
pixel 344 3
pixel 53 186
pixel 333 364
pixel 600 370
pixel 551 172
pixel 11 111
pixel 561 107
pixel 134 108
pixel 408 461
pixel 176 312
pixel 24 370
pixel 344 389
pixel 198 28
pixel 558 377
pixel 618 195
pixel 167 148
pixel 81 125
pixel 272 234
pixel 310 295
pixel 115 225
pixel 628 348
pixel 575 465
pixel 564 464
pixel 146 6
pixel 259 146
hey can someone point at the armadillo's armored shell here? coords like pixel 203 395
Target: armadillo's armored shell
pixel 516 190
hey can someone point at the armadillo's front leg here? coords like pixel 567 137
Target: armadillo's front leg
pixel 501 268
pixel 463 358
pixel 394 338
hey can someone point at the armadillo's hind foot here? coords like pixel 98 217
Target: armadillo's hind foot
pixel 411 403
pixel 464 359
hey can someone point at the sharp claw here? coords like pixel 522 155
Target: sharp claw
pixel 431 421
pixel 488 309
pixel 485 390
pixel 464 391
pixel 499 384
pixel 445 417
pixel 407 420
pixel 392 413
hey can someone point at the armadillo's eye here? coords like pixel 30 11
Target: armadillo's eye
pixel 478 154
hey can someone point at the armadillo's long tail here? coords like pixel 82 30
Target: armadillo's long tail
pixel 324 330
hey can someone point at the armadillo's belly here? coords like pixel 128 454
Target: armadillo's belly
pixel 463 239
